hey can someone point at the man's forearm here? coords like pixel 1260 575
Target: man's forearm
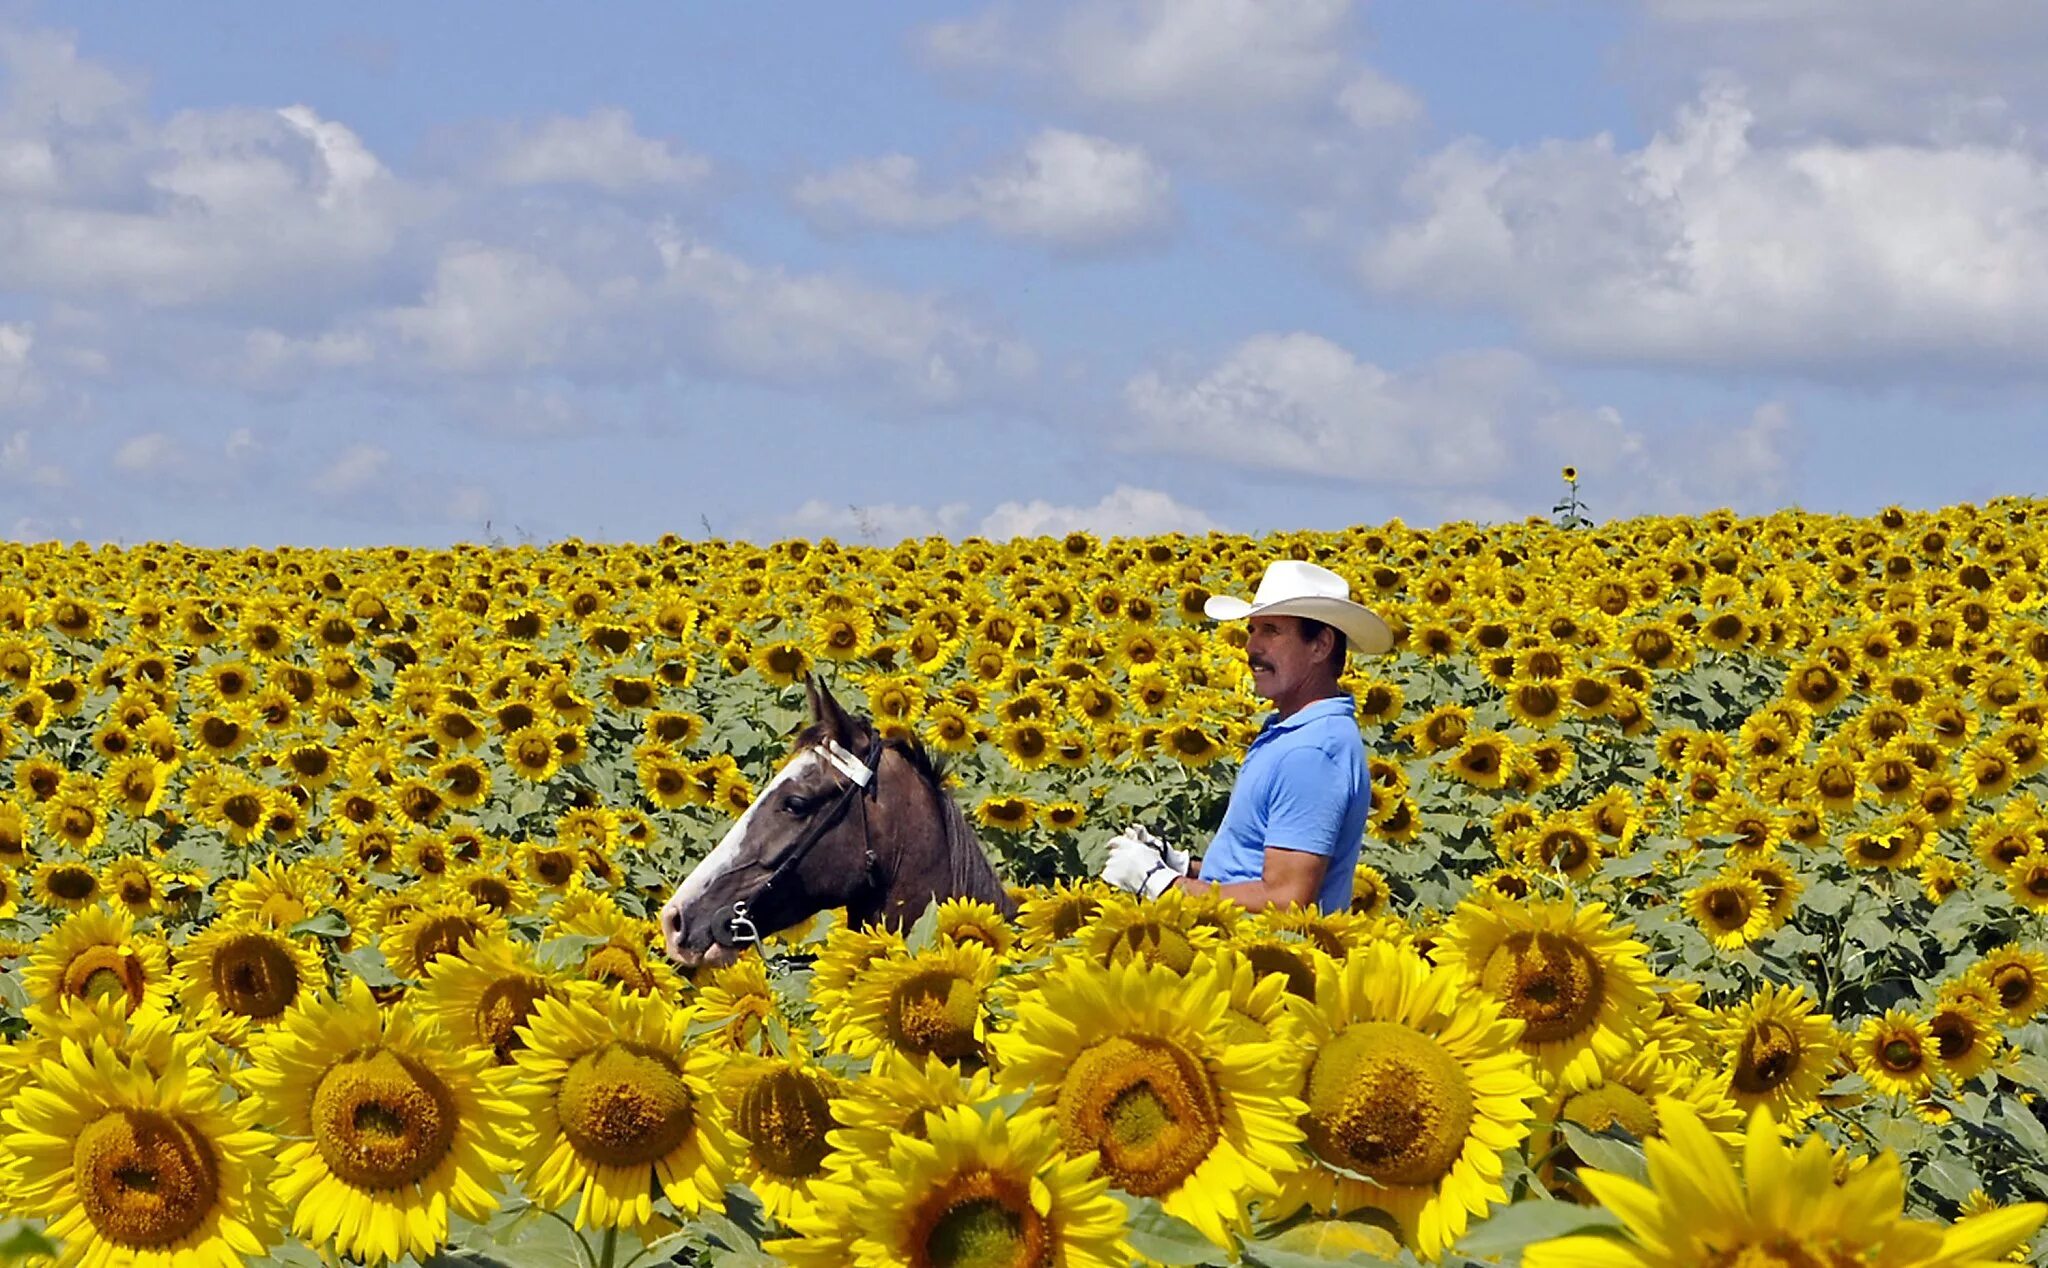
pixel 1251 895
pixel 1259 894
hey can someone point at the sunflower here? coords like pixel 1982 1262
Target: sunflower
pixel 393 1127
pixel 39 778
pixel 1441 728
pixel 2027 881
pixel 1005 812
pixel 67 885
pixel 1896 1053
pixel 980 1187
pixel 929 1002
pixel 1057 912
pixel 75 817
pixel 446 922
pixel 625 960
pixel 136 883
pixel 98 953
pixel 1414 1083
pixel 1626 1096
pixel 1483 759
pixel 1575 979
pixel 1165 931
pixel 278 895
pixel 1966 1038
pixel 1254 1001
pixel 1370 894
pixel 484 995
pixel 14 833
pixel 1780 882
pixel 2017 979
pixel 1779 1052
pixel 782 662
pixel 1941 877
pixel 245 973
pixel 971 920
pixel 735 1003
pixel 1288 956
pixel 842 958
pixel 895 1099
pixel 1026 744
pixel 1138 1065
pixel 1784 1206
pixel 1539 704
pixel 614 1106
pixel 135 1165
pixel 531 753
pixel 781 1109
pixel 550 865
pixel 1731 909
pixel 949 728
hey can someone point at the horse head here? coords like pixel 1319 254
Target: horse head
pixel 806 843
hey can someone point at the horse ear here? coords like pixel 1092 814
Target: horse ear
pixel 826 712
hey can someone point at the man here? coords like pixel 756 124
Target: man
pixel 1297 813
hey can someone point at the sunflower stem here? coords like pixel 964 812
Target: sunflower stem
pixel 611 1247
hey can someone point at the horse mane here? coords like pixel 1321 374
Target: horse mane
pixel 968 871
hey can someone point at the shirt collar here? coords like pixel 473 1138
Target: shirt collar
pixel 1339 706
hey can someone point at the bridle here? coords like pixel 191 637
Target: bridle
pixel 730 926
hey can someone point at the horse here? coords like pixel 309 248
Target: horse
pixel 853 819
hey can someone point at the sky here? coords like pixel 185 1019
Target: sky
pixel 400 273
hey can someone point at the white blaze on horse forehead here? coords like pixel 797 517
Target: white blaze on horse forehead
pixel 725 857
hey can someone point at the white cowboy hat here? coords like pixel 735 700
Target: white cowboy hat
pixel 1292 587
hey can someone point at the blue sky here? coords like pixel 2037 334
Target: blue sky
pixel 399 273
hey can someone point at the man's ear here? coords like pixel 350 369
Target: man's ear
pixel 1327 637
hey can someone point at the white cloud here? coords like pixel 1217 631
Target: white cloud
pixel 796 328
pixel 279 240
pixel 163 458
pixel 371 484
pixel 353 470
pixel 19 467
pixel 884 192
pixel 1123 512
pixel 1237 85
pixel 1469 435
pixel 205 208
pixel 600 149
pixel 1710 247
pixel 1860 70
pixel 493 309
pixel 1299 403
pixel 145 454
pixel 1066 189
pixel 18 383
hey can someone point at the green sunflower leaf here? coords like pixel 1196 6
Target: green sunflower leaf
pixel 1168 1239
pixel 328 924
pixel 1514 1227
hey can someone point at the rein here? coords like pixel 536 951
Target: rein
pixel 731 927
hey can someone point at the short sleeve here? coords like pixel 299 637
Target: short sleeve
pixel 1306 810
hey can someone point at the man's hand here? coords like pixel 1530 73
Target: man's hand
pixel 1140 863
pixel 1178 860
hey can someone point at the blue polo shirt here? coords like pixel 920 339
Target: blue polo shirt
pixel 1303 786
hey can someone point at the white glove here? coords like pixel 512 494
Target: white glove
pixel 1140 863
pixel 1178 860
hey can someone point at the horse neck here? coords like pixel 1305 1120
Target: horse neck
pixel 937 856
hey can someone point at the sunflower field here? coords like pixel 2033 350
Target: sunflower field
pixel 1699 920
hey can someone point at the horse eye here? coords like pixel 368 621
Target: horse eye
pixel 799 806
